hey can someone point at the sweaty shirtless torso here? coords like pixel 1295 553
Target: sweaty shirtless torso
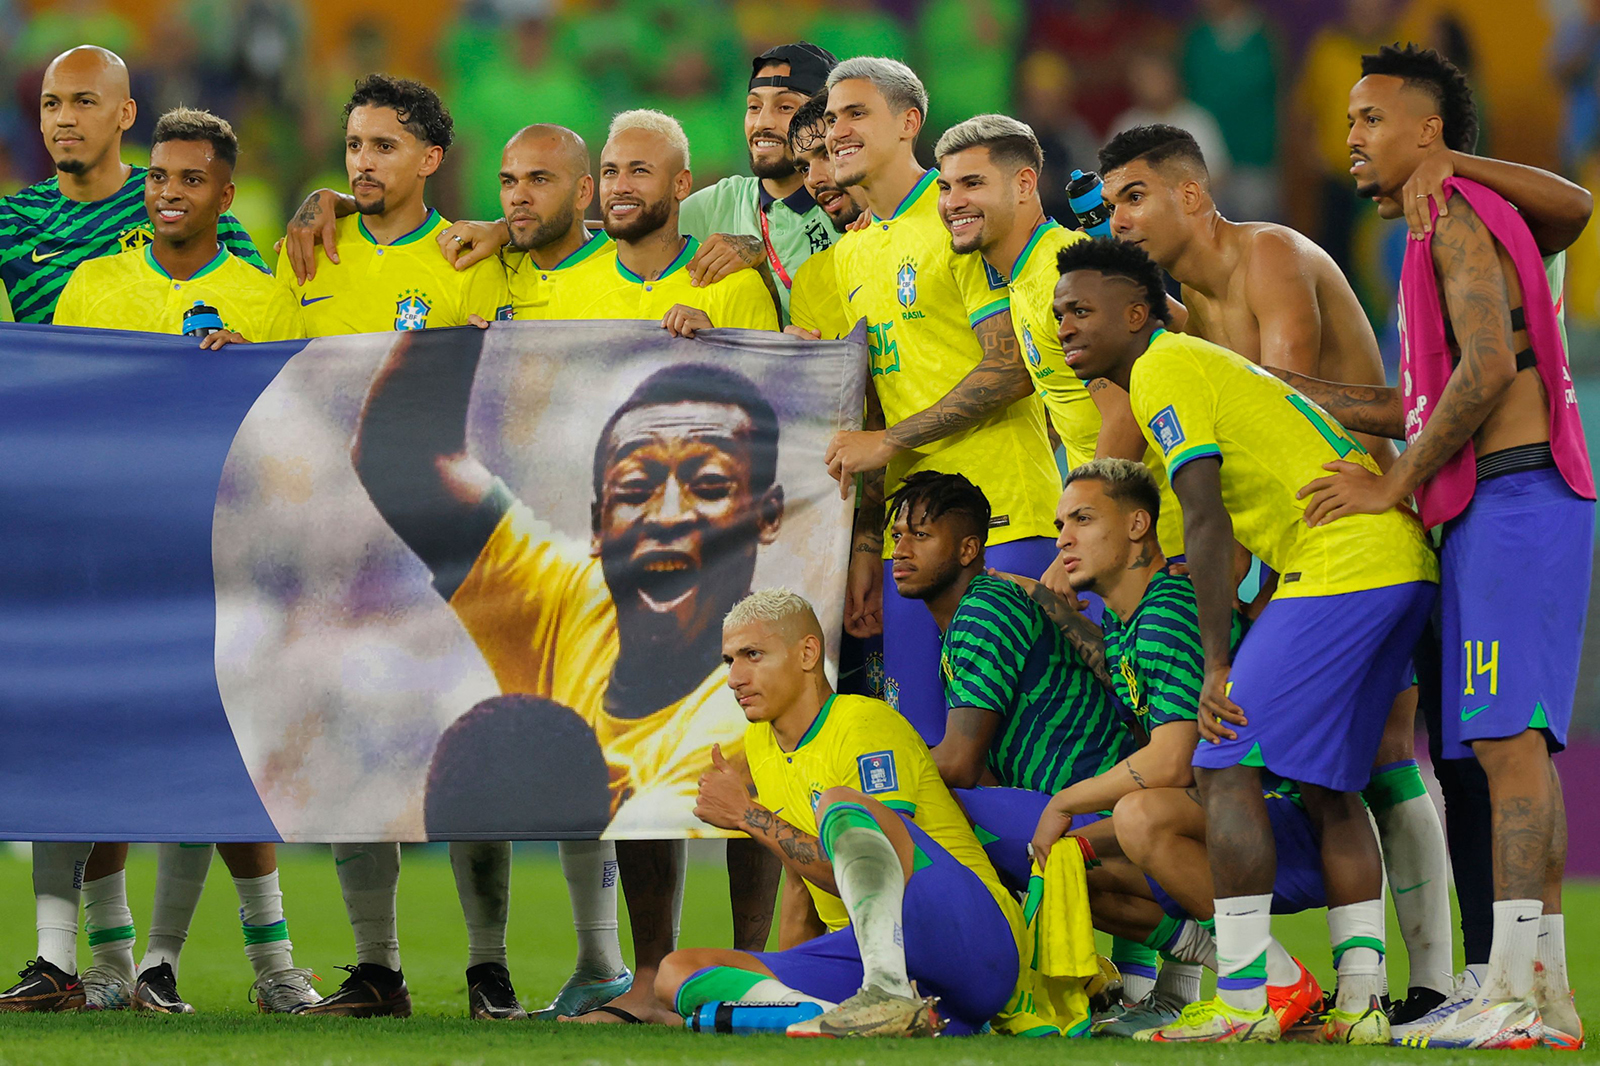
pixel 1348 350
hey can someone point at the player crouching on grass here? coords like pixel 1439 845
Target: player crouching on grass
pixel 891 863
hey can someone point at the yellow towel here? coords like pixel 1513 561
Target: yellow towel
pixel 1051 999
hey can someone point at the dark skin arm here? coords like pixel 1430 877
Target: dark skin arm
pixel 410 451
pixel 999 380
pixel 1119 430
pixel 1555 209
pixel 962 755
pixel 1208 547
pixel 863 605
pixel 1478 299
pixel 797 915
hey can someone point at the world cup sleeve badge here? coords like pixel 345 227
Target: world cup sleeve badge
pixel 411 310
pixel 878 772
pixel 1167 428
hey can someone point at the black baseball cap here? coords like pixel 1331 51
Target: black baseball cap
pixel 809 66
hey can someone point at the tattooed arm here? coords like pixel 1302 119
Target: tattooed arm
pixel 727 800
pixel 1375 409
pixel 1120 437
pixel 1084 636
pixel 1478 296
pixel 961 755
pixel 1165 762
pixel 999 380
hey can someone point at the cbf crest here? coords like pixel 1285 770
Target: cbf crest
pixel 135 238
pixel 1031 350
pixel 877 772
pixel 411 310
pixel 905 284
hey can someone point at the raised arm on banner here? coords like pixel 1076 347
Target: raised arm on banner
pixel 411 455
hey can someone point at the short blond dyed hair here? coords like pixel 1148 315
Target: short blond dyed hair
pixel 780 606
pixel 648 118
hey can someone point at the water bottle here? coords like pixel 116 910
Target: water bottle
pixel 201 320
pixel 747 1018
pixel 1086 196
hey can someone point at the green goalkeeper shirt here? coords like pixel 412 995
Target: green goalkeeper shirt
pixel 44 236
pixel 796 226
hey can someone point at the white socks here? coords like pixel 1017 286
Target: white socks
pixel 1244 933
pixel 266 933
pixel 872 885
pixel 369 875
pixel 57 883
pixel 1517 924
pixel 1551 953
pixel 483 884
pixel 180 878
pixel 1416 861
pixel 1281 967
pixel 772 990
pixel 1179 981
pixel 109 924
pixel 1356 931
pixel 590 867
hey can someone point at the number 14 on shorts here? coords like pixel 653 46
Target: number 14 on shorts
pixel 1479 664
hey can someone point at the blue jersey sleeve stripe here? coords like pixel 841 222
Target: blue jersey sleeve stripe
pixel 1199 451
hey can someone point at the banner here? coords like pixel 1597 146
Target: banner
pixel 450 584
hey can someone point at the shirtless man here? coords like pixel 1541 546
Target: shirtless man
pixel 1272 295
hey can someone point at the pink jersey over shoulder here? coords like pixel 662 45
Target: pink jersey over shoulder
pixel 1425 362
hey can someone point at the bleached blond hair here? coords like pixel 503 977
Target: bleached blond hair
pixel 777 605
pixel 899 85
pixel 645 118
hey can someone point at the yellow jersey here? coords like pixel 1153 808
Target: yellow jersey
pixel 1195 399
pixel 921 301
pixel 538 608
pixel 815 301
pixel 531 285
pixel 862 743
pixel 406 284
pixel 739 301
pixel 1066 398
pixel 130 290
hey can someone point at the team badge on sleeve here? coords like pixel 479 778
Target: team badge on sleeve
pixel 1167 428
pixel 411 311
pixel 877 772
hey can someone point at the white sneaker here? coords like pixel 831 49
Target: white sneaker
pixel 1464 992
pixel 1506 1023
pixel 284 992
pixel 106 990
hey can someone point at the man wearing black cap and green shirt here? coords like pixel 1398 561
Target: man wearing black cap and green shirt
pixel 766 216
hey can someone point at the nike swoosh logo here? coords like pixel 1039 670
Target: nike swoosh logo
pixel 1527 917
pixel 853 292
pixel 307 301
pixel 353 858
pixel 37 258
pixel 1467 715
pixel 1413 888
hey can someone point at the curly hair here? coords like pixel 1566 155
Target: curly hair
pixel 809 124
pixel 935 495
pixel 1426 70
pixel 419 108
pixel 1118 259
pixel 1154 144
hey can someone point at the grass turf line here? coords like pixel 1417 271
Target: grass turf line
pixel 214 976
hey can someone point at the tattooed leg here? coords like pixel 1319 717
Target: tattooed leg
pixel 753 874
pixel 1523 798
pixel 1555 867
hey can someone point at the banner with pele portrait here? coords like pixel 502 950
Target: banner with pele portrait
pixel 447 584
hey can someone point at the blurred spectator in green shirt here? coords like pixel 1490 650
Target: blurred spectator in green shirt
pixel 1229 65
pixel 965 53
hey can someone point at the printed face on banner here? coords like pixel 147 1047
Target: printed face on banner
pixel 521 639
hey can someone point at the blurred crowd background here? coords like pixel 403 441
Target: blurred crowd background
pixel 1262 84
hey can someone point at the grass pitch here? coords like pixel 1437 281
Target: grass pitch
pixel 215 977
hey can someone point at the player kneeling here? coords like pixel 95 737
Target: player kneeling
pixel 891 863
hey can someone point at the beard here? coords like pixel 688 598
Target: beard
pixel 648 219
pixel 937 583
pixel 72 166
pixel 549 230
pixel 772 170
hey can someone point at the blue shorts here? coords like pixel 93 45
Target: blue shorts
pixel 1316 676
pixel 1005 820
pixel 959 945
pixel 1297 885
pixel 913 684
pixel 1514 596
